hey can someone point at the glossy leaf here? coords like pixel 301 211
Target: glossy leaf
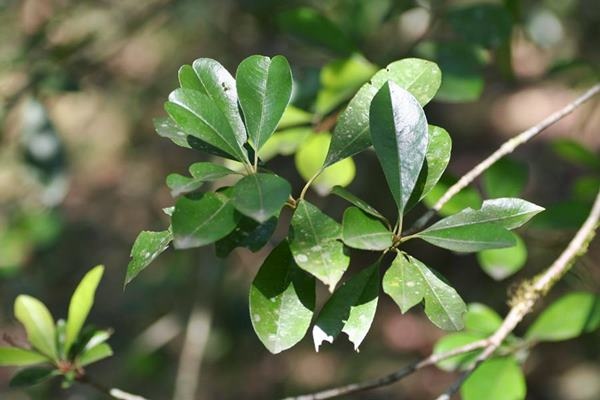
pixel 167 128
pixel 260 196
pixel 198 221
pixel 314 242
pixel 488 25
pixel 307 24
pixel 498 378
pixel 408 282
pixel 399 136
pixel 39 324
pixel 198 115
pixel 356 201
pixel 437 157
pixel 351 134
pixel 95 354
pixel 502 263
pixel 505 178
pixel 567 318
pixel 201 172
pixel 18 357
pixel 350 309
pixel 264 88
pixel 81 304
pixel 468 197
pixel 365 232
pixel 282 301
pixel 31 376
pixel 454 341
pixel 188 78
pixel 249 234
pixel 147 246
pixel 309 159
pixel 481 319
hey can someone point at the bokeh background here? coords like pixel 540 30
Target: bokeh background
pixel 82 172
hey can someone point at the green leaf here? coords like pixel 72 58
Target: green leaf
pixel 496 379
pixel 576 153
pixel 167 128
pixel 408 282
pixel 365 232
pixel 340 79
pixel 309 159
pixel 399 135
pixel 81 304
pixel 39 324
pixel 31 376
pixel 351 135
pixel 505 178
pixel 315 245
pixel 249 234
pixel 567 318
pixel 586 188
pixel 264 88
pixel 188 78
pixel 307 24
pixel 15 356
pixel 468 197
pixel 563 215
pixel 200 145
pixel 95 354
pixel 260 196
pixel 350 309
pixel 198 221
pixel 282 301
pixel 356 201
pixel 147 246
pixel 488 25
pixel 486 228
pixel 461 65
pixel 294 116
pixel 198 115
pixel 502 263
pixel 481 319
pixel 284 143
pixel 455 341
pixel 201 172
pixel 437 157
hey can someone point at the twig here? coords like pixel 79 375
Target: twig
pixel 507 148
pixel 530 294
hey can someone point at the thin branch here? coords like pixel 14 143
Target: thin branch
pixel 529 294
pixel 507 148
pixel 394 376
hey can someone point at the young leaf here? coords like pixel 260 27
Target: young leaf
pixel 481 319
pixel 408 281
pixel 201 172
pixel 454 341
pixel 260 196
pixel 31 376
pixel 356 201
pixel 39 324
pixel 505 178
pixel 15 356
pixel 249 234
pixel 147 246
pixel 567 318
pixel 94 354
pixel 399 136
pixel 496 379
pixel 437 157
pixel 198 221
pixel 198 115
pixel 264 88
pixel 502 263
pixel 362 231
pixel 81 304
pixel 309 159
pixel 282 301
pixel 350 309
pixel 351 134
pixel 220 87
pixel 315 245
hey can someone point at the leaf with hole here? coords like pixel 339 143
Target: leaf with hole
pixel 350 309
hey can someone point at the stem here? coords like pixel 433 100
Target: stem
pixel 506 148
pixel 310 181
